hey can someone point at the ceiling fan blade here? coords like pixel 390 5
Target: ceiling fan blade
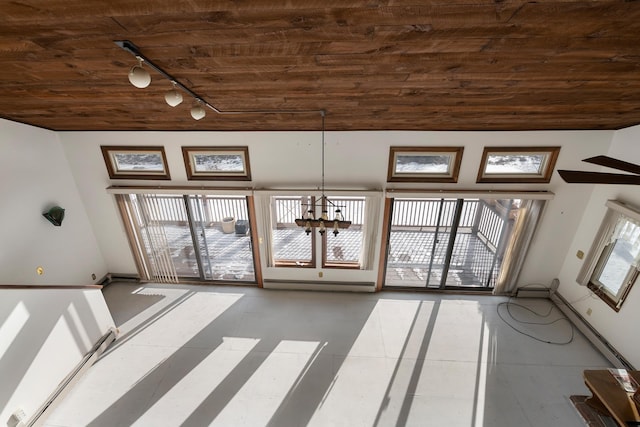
pixel 581 177
pixel 610 162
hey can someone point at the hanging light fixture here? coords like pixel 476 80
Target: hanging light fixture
pixel 138 76
pixel 173 96
pixel 309 220
pixel 197 112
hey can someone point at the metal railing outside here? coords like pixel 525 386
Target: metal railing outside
pixel 425 213
pixel 171 208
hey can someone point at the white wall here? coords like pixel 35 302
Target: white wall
pixel 354 160
pixel 621 329
pixel 43 335
pixel 34 176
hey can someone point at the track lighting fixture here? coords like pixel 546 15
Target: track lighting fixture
pixel 173 97
pixel 138 76
pixel 197 112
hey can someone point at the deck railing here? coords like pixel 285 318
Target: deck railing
pixel 490 226
pixel 485 219
pixel 171 208
pixel 218 208
pixel 477 216
pixel 425 213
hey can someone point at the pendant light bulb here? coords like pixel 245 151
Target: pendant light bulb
pixel 138 76
pixel 197 112
pixel 173 97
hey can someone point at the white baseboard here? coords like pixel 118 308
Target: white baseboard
pixel 320 286
pixel 533 293
pixel 591 333
pixel 65 386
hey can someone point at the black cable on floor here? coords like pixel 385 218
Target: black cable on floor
pixel 509 304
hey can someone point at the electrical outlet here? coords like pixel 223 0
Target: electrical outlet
pixel 19 414
pixel 319 273
pixel 589 311
pixel 18 418
pixel 580 254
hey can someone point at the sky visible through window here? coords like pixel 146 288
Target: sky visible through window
pixel 422 164
pixel 218 163
pixel 515 164
pixel 139 161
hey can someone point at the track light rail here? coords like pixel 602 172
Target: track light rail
pixel 128 46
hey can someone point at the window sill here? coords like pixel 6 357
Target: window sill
pixel 603 296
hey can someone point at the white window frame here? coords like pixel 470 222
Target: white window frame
pixel 599 255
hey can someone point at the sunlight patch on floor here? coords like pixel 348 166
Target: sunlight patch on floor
pixel 360 384
pixel 268 386
pixel 187 319
pixel 185 396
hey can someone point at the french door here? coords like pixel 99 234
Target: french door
pixel 447 243
pixel 203 237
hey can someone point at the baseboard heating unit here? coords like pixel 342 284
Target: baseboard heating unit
pixel 533 293
pixel 598 341
pixel 298 285
pixel 538 291
pixel 65 386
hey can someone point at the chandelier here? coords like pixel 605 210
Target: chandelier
pixel 309 220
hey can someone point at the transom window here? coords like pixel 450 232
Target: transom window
pixel 517 164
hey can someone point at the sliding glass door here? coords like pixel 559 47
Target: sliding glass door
pixel 447 243
pixel 203 237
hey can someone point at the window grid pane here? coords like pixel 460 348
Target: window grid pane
pixel 346 247
pixel 291 245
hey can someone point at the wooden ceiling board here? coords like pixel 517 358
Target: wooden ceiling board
pixel 372 65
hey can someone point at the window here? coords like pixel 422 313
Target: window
pixel 614 260
pixel 217 163
pixel 449 243
pixel 202 237
pixel 345 249
pixel 135 162
pixel 517 164
pixel 292 247
pixel 286 244
pixel 421 164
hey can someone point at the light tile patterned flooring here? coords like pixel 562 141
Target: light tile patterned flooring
pixel 243 356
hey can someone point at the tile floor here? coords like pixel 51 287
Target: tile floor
pixel 242 356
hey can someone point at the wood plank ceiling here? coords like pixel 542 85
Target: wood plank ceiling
pixel 371 64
